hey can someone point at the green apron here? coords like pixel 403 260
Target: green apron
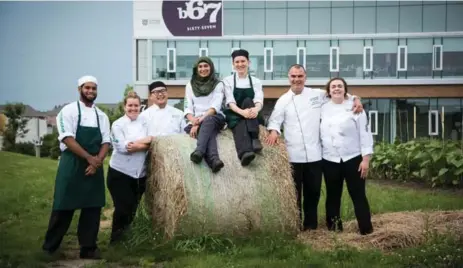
pixel 73 189
pixel 240 95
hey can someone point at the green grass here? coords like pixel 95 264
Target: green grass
pixel 26 192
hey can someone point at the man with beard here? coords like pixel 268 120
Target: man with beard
pixel 298 110
pixel 84 135
pixel 163 119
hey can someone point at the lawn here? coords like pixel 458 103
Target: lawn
pixel 26 191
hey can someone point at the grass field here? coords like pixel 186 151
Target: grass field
pixel 26 191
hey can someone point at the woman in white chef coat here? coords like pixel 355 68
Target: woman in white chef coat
pixel 347 145
pixel 127 168
pixel 202 108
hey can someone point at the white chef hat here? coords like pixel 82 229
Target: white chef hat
pixel 86 79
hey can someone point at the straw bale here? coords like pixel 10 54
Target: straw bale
pixel 187 199
pixel 391 231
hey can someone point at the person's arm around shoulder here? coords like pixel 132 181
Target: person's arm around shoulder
pixel 357 107
pixel 67 126
pixel 276 120
pixel 366 143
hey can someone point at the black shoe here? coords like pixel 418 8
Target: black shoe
pixel 247 158
pixel 217 165
pixel 196 157
pixel 257 146
pixel 90 254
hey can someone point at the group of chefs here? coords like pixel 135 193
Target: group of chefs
pixel 325 132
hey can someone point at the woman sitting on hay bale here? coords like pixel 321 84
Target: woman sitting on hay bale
pixel 347 146
pixel 244 98
pixel 202 108
pixel 127 171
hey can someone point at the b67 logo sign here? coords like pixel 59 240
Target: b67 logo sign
pixel 193 17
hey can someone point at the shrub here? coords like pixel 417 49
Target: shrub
pixel 27 148
pixel 435 162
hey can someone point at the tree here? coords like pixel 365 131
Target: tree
pixel 180 104
pixel 16 126
pixel 2 123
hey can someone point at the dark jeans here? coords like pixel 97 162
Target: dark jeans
pixel 87 230
pixel 207 136
pixel 245 131
pixel 308 180
pixel 334 174
pixel 126 193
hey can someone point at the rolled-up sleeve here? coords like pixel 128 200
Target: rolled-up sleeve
pixel 105 129
pixel 258 92
pixel 118 140
pixel 228 90
pixel 217 98
pixel 65 124
pixel 277 117
pixel 366 138
pixel 188 101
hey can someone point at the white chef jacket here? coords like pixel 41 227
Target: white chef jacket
pixel 344 134
pixel 123 131
pixel 243 83
pixel 198 106
pixel 300 116
pixel 163 122
pixel 67 118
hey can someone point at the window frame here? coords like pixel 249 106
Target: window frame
pixel 304 57
pixel 266 69
pixel 201 49
pixel 370 113
pixel 370 69
pixel 334 70
pixel 441 57
pixel 174 69
pixel 436 120
pixel 399 58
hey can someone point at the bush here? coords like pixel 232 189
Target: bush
pixel 434 162
pixel 27 148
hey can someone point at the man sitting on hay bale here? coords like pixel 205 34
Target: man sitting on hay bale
pixel 301 107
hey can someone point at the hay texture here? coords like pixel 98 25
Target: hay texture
pixel 187 199
pixel 391 231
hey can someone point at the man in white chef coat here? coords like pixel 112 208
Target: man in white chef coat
pixel 298 110
pixel 163 119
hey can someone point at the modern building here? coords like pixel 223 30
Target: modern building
pixel 404 58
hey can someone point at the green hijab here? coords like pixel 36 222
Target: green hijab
pixel 203 86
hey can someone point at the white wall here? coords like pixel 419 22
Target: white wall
pixel 151 12
pixel 37 128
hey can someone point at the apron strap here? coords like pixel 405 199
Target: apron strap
pixel 78 118
pixel 97 118
pixel 234 81
pixel 250 81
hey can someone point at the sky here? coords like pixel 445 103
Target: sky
pixel 46 46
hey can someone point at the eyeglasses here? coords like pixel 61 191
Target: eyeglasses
pixel 159 91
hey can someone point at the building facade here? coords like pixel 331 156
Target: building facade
pixel 404 58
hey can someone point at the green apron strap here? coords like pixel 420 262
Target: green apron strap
pixel 250 82
pixel 78 119
pixel 97 119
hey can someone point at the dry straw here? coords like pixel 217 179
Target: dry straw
pixel 392 230
pixel 188 199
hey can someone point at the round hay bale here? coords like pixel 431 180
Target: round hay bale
pixel 187 199
pixel 391 231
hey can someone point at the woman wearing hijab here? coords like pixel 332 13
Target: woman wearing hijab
pixel 202 108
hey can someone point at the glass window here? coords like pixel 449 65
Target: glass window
pixel 256 57
pixel 220 54
pixel 186 57
pixel 268 59
pixel 275 4
pixel 159 59
pixel 454 17
pixel 298 4
pixel 248 4
pixel 254 21
pixel 334 59
pixel 437 57
pixel 233 21
pixel 171 60
pixel 301 56
pixel 283 56
pixel 387 3
pixel 233 4
pixel 402 58
pixel 318 58
pixel 319 20
pixel 419 57
pixel 410 19
pixel 364 3
pixel 451 111
pixel 388 19
pixel 453 57
pixel 344 3
pixel 368 59
pixel 320 4
pixel 365 19
pixel 342 19
pixel 142 60
pixel 385 58
pixel 203 52
pixel 412 119
pixel 434 18
pixel 351 58
pixel 275 21
pixel 379 111
pixel 298 20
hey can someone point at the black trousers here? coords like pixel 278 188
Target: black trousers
pixel 308 180
pixel 334 174
pixel 207 136
pixel 87 230
pixel 245 131
pixel 126 193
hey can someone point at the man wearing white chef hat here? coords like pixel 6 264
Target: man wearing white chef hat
pixel 84 135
